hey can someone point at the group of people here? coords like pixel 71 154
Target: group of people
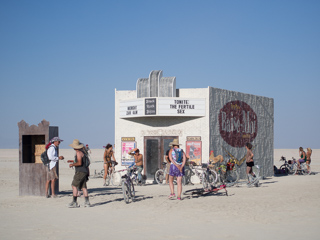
pixel 305 157
pixel 175 156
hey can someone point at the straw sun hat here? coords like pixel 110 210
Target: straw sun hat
pixel 175 142
pixel 76 144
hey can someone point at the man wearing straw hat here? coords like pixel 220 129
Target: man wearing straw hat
pixel 178 160
pixel 81 175
pixel 52 152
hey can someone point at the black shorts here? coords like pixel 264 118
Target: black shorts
pixel 250 164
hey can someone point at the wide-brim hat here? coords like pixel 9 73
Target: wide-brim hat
pixel 56 139
pixel 76 144
pixel 175 142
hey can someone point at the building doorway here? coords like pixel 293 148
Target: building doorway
pixel 155 149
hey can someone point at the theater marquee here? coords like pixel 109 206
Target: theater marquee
pixel 150 107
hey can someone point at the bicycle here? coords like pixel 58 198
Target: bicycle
pixel 113 176
pixel 193 170
pixel 287 167
pixel 227 173
pixel 160 175
pixel 127 185
pixel 303 168
pixel 254 181
pixel 209 175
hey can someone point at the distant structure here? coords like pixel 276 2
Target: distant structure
pixel 32 172
pixel 203 119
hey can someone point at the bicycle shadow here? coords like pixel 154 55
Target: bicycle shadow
pixel 208 194
pixel 136 199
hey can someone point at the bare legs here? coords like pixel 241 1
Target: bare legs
pixel 53 184
pixel 106 169
pixel 179 187
pixel 75 191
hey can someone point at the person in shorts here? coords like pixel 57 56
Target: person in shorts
pixel 168 164
pixel 303 156
pixel 52 175
pixel 178 160
pixel 309 152
pixel 81 175
pixel 249 160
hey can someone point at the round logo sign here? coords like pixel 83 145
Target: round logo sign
pixel 238 123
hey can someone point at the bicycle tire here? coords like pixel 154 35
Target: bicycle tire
pixel 196 191
pixel 187 176
pixel 108 180
pixel 232 177
pixel 159 176
pixel 284 168
pixel 126 192
pixel 295 168
pixel 132 191
pixel 116 179
pixel 205 182
pixel 304 169
pixel 214 179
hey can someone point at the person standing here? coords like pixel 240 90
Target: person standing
pixel 249 161
pixel 138 159
pixel 107 155
pixel 178 160
pixel 81 175
pixel 309 152
pixel 52 176
pixel 303 156
pixel 168 163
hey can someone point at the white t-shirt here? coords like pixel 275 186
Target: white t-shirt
pixel 53 156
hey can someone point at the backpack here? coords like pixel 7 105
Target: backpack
pixel 44 157
pixel 86 160
pixel 179 154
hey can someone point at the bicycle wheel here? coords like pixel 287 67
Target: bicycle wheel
pixel 284 169
pixel 205 179
pixel 132 191
pixel 304 169
pixel 294 168
pixel 232 177
pixel 126 192
pixel 159 176
pixel 187 176
pixel 213 178
pixel 116 179
pixel 108 180
pixel 191 192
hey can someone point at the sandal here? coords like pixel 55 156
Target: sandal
pixel 179 198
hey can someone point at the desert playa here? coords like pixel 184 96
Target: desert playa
pixel 286 207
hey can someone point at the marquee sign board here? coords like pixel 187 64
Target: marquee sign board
pixel 150 107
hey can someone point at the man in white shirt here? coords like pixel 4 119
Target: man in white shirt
pixel 51 169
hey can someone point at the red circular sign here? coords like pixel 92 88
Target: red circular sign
pixel 238 123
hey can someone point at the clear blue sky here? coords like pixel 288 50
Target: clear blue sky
pixel 62 60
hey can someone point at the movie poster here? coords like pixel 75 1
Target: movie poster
pixel 193 151
pixel 127 159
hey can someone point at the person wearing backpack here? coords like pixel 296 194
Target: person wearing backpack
pixel 52 152
pixel 81 176
pixel 178 160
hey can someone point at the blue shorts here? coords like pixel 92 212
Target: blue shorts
pixel 175 172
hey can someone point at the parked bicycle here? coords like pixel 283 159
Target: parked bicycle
pixel 193 169
pixel 127 185
pixel 160 175
pixel 303 170
pixel 113 176
pixel 287 167
pixel 209 176
pixel 228 173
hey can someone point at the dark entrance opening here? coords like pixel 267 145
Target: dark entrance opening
pixel 155 152
pixel 29 143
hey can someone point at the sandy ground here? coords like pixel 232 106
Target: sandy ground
pixel 285 207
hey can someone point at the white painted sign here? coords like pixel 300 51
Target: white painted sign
pixel 132 108
pixel 151 107
pixel 181 107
